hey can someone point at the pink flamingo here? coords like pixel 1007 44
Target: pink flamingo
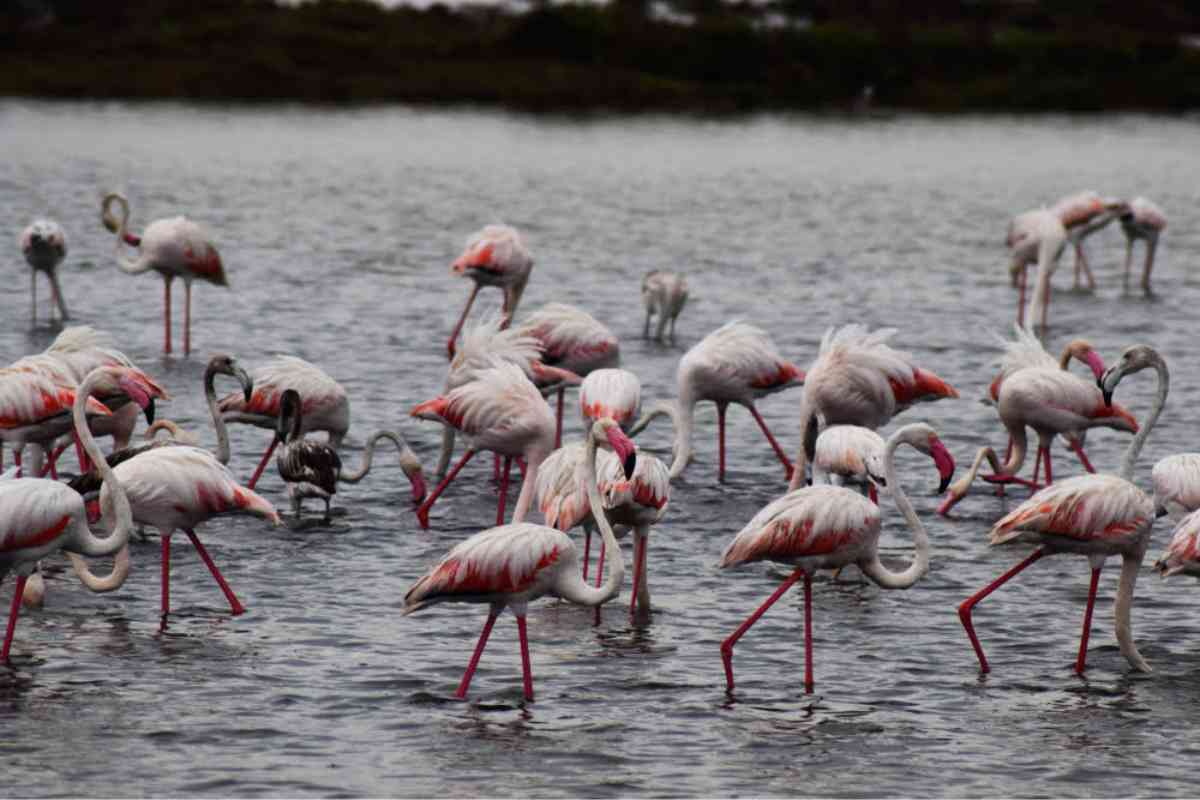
pixel 737 363
pixel 1093 515
pixel 39 517
pixel 482 344
pixel 635 501
pixel 1052 402
pixel 1183 551
pixel 494 256
pixel 326 405
pixel 572 340
pixel 664 295
pixel 1035 237
pixel 828 527
pixel 852 454
pixel 1082 214
pixel 34 409
pixel 314 469
pixel 45 246
pixel 175 247
pixel 1176 481
pixel 511 565
pixel 857 379
pixel 501 411
pixel 1142 219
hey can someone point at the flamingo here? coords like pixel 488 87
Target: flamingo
pixel 1176 481
pixel 663 294
pixel 38 517
pixel 34 408
pixel 313 469
pixel 175 247
pixel 828 527
pixel 482 343
pixel 511 565
pixel 572 340
pixel 1082 214
pixel 737 363
pixel 326 406
pixel 1094 515
pixel 501 411
pixel 494 256
pixel 853 454
pixel 45 246
pixel 635 501
pixel 858 379
pixel 1026 350
pixel 1035 237
pixel 1052 402
pixel 1183 551
pixel 1142 219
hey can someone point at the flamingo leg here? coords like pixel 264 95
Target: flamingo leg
pixel 483 637
pixel 1087 621
pixel 1049 473
pixel 423 511
pixel 783 459
pixel 964 609
pixel 167 315
pixel 599 573
pixel 872 493
pixel 458 325
pixel 33 295
pixel 166 576
pixel 727 645
pixel 558 420
pixel 13 612
pixel 526 670
pixel 262 464
pixel 85 463
pixel 1021 298
pixel 721 441
pixel 503 490
pixel 1087 270
pixel 1037 465
pixel 17 459
pixel 587 548
pixel 1151 243
pixel 187 318
pixel 234 605
pixel 1083 459
pixel 496 467
pixel 808 660
pixel 639 568
pixel 1128 260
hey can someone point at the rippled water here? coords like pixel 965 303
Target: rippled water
pixel 337 227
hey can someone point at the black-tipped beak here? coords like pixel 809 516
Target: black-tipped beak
pixel 149 412
pixel 1162 512
pixel 629 464
pixel 247 383
pixel 879 480
pixel 945 482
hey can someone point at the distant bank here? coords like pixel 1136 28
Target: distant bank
pixel 618 56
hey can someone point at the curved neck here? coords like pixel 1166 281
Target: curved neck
pixel 874 569
pixel 1130 564
pixel 577 590
pixel 1047 253
pixel 446 451
pixel 807 419
pixel 210 395
pixel 122 231
pixel 1129 462
pixel 89 544
pixel 369 455
pixel 681 430
pixel 525 499
pixel 109 583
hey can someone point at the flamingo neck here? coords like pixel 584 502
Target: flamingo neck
pixel 113 495
pixel 407 456
pixel 113 581
pixel 532 464
pixel 1129 462
pixel 575 588
pixel 126 265
pixel 681 438
pixel 1130 565
pixel 210 395
pixel 874 569
pixel 807 419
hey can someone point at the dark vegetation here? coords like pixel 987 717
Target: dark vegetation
pixel 630 54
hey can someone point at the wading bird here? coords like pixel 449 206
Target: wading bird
pixel 45 246
pixel 494 256
pixel 1142 219
pixel 510 565
pixel 664 295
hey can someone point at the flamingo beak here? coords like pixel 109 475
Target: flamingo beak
pixel 623 446
pixel 418 487
pixel 1096 363
pixel 1108 383
pixel 246 381
pixel 148 410
pixel 944 462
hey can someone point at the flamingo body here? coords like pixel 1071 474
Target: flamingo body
pixel 44 245
pixel 609 392
pixel 664 295
pixel 1176 481
pixel 1183 551
pixel 851 452
pixel 494 256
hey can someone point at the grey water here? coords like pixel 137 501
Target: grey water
pixel 337 227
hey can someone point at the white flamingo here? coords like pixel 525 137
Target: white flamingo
pixel 494 256
pixel 664 295
pixel 44 245
pixel 1034 237
pixel 1142 219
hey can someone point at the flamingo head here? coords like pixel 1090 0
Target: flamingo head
pixel 925 439
pixel 223 364
pixel 606 430
pixel 1135 358
pixel 288 421
pixel 1082 350
pixel 416 476
pixel 134 384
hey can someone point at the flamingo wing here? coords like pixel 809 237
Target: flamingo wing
pixel 1090 508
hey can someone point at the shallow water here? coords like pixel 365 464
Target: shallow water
pixel 337 226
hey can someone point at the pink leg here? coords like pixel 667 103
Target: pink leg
pixel 599 574
pixel 639 569
pixel 783 459
pixel 1037 465
pixel 187 318
pixel 721 442
pixel 1083 459
pixel 503 490
pixel 1049 474
pixel 872 494
pixel 166 577
pixel 167 315
pixel 234 605
pixel 1021 298
pixel 587 549
pixel 461 320
pixel 496 467
pixel 483 637
pixel 558 422
pixel 262 464
pixel 423 511
pixel 1087 621
pixel 964 609
pixel 808 668
pixel 727 645
pixel 13 612
pixel 526 670
pixel 85 463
